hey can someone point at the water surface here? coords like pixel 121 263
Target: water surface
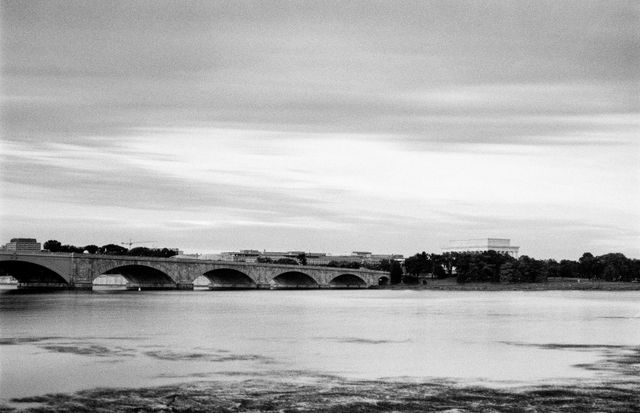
pixel 68 341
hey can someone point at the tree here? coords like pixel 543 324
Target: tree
pixel 286 261
pixel 568 269
pixel 385 264
pixel 553 267
pixel 587 265
pixel 418 264
pixel 70 248
pixel 113 249
pixel 52 245
pixel 614 267
pixel 140 252
pixel 302 258
pixel 448 259
pixel 510 273
pixel 395 272
pixel 344 264
pixel 166 252
pixel 91 249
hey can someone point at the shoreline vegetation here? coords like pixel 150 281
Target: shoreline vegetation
pixel 333 394
pixel 450 284
pixel 614 390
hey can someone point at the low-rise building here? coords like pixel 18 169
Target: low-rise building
pixel 23 245
pixel 500 245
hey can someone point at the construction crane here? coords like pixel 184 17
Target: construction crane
pixel 130 243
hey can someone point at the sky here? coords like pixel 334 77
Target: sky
pixel 334 126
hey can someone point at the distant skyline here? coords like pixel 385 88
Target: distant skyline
pixel 390 127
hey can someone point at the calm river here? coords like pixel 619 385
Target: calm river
pixel 64 342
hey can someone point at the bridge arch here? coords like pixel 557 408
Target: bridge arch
pixel 36 275
pixel 142 276
pixel 229 278
pixel 384 280
pixel 347 281
pixel 294 279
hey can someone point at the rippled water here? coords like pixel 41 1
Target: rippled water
pixel 67 341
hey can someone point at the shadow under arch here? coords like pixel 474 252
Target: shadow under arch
pixel 383 281
pixel 347 281
pixel 142 277
pixel 293 279
pixel 30 275
pixel 229 279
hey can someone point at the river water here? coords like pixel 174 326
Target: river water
pixel 68 341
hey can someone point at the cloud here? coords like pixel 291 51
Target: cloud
pixel 294 121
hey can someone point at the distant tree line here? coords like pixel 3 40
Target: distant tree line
pixel 607 267
pixel 284 261
pixel 109 249
pixel 490 266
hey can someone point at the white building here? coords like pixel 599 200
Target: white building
pixel 500 245
pixel 23 245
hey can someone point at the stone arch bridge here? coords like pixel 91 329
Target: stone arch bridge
pixel 78 271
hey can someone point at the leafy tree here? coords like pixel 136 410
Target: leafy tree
pixel 166 252
pixel 418 264
pixel 568 269
pixel 52 245
pixel 588 265
pixel 447 262
pixel 510 272
pixel 395 272
pixel 140 252
pixel 286 261
pixel 532 270
pixel 91 249
pixel 344 264
pixel 264 260
pixel 553 267
pixel 113 249
pixel 70 248
pixel 615 267
pixel 302 258
pixel 383 265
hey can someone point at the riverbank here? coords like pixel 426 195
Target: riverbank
pixel 332 394
pixel 551 285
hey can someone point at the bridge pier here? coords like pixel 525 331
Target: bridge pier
pixel 184 286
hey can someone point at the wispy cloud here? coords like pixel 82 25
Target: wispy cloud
pixel 300 121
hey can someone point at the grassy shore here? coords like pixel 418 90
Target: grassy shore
pixel 551 285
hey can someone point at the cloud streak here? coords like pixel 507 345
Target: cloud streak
pixel 291 120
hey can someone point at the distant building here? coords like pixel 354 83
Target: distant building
pixel 500 245
pixel 23 245
pixel 313 258
pixel 361 257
